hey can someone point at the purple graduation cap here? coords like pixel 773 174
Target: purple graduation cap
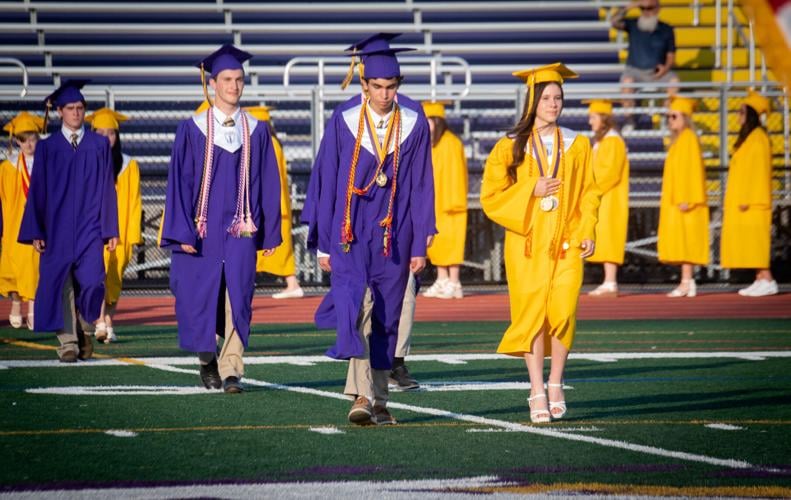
pixel 378 59
pixel 226 57
pixel 67 93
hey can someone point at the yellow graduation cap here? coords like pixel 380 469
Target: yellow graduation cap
pixel 24 122
pixel 435 108
pixel 260 112
pixel 555 72
pixel 758 102
pixel 203 107
pixel 599 106
pixel 683 105
pixel 106 118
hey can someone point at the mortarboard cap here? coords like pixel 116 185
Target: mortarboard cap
pixel 683 105
pixel 260 112
pixel 106 118
pixel 224 58
pixel 555 72
pixel 758 102
pixel 67 93
pixel 24 122
pixel 435 108
pixel 599 106
pixel 377 58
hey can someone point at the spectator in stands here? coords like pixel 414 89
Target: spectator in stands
pixel 538 184
pixel 280 263
pixel 683 234
pixel 126 174
pixel 611 171
pixel 71 213
pixel 224 159
pixel 370 210
pixel 652 50
pixel 450 204
pixel 18 263
pixel 747 211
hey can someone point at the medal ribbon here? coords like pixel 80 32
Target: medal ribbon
pixel 380 151
pixel 541 153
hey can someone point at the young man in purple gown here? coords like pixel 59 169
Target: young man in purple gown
pixel 70 214
pixel 370 208
pixel 222 205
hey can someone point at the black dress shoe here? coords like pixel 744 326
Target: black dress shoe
pixel 210 375
pixel 232 385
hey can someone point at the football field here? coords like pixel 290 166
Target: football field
pixel 670 407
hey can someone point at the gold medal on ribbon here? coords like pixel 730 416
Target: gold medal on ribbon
pixel 549 203
pixel 381 179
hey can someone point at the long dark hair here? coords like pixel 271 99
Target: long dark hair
pixel 609 124
pixel 521 131
pixel 751 122
pixel 118 158
pixel 440 126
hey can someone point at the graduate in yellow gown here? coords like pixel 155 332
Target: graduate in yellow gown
pixel 683 234
pixel 538 184
pixel 18 263
pixel 746 237
pixel 611 171
pixel 107 122
pixel 450 204
pixel 280 263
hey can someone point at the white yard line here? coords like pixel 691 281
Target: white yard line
pixel 502 424
pixel 452 359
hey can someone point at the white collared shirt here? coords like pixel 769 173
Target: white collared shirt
pixel 29 164
pixel 380 122
pixel 67 132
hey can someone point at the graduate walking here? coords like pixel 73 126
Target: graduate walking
pixel 71 213
pixel 222 206
pixel 370 211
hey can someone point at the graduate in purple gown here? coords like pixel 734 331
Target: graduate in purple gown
pixel 222 205
pixel 70 214
pixel 370 208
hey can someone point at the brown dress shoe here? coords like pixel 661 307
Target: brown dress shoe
pixel 361 412
pixel 68 357
pixel 86 348
pixel 382 416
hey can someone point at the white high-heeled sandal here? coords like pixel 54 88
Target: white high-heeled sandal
pixel 15 320
pixel 557 405
pixel 101 332
pixel 538 416
pixel 111 337
pixel 691 291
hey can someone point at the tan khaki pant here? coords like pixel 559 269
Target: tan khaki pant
pixel 69 337
pixel 361 379
pixel 230 361
pixel 404 324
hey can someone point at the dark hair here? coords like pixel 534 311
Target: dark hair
pixel 399 78
pixel 440 126
pixel 609 124
pixel 752 121
pixel 522 130
pixel 118 158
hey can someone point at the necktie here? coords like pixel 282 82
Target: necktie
pixel 74 141
pixel 228 122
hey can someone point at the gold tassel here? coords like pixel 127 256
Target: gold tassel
pixel 203 83
pixel 350 73
pixel 531 85
pixel 46 115
pixel 9 143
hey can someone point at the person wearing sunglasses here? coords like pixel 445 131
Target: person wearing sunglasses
pixel 683 234
pixel 651 52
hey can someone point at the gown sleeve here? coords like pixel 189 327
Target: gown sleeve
pixel 177 221
pixel 33 225
pixel 320 201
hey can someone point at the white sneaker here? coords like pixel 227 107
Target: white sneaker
pixel 436 289
pixel 451 290
pixel 761 288
pixel 297 293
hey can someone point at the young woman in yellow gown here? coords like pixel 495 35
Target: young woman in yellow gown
pixel 450 204
pixel 538 184
pixel 18 263
pixel 611 171
pixel 746 237
pixel 107 122
pixel 683 234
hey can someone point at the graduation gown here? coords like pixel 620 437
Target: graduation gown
pixel 611 172
pixel 18 262
pixel 72 206
pixel 450 201
pixel 280 263
pixel 683 237
pixel 747 236
pixel 365 265
pixel 130 210
pixel 543 281
pixel 197 279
